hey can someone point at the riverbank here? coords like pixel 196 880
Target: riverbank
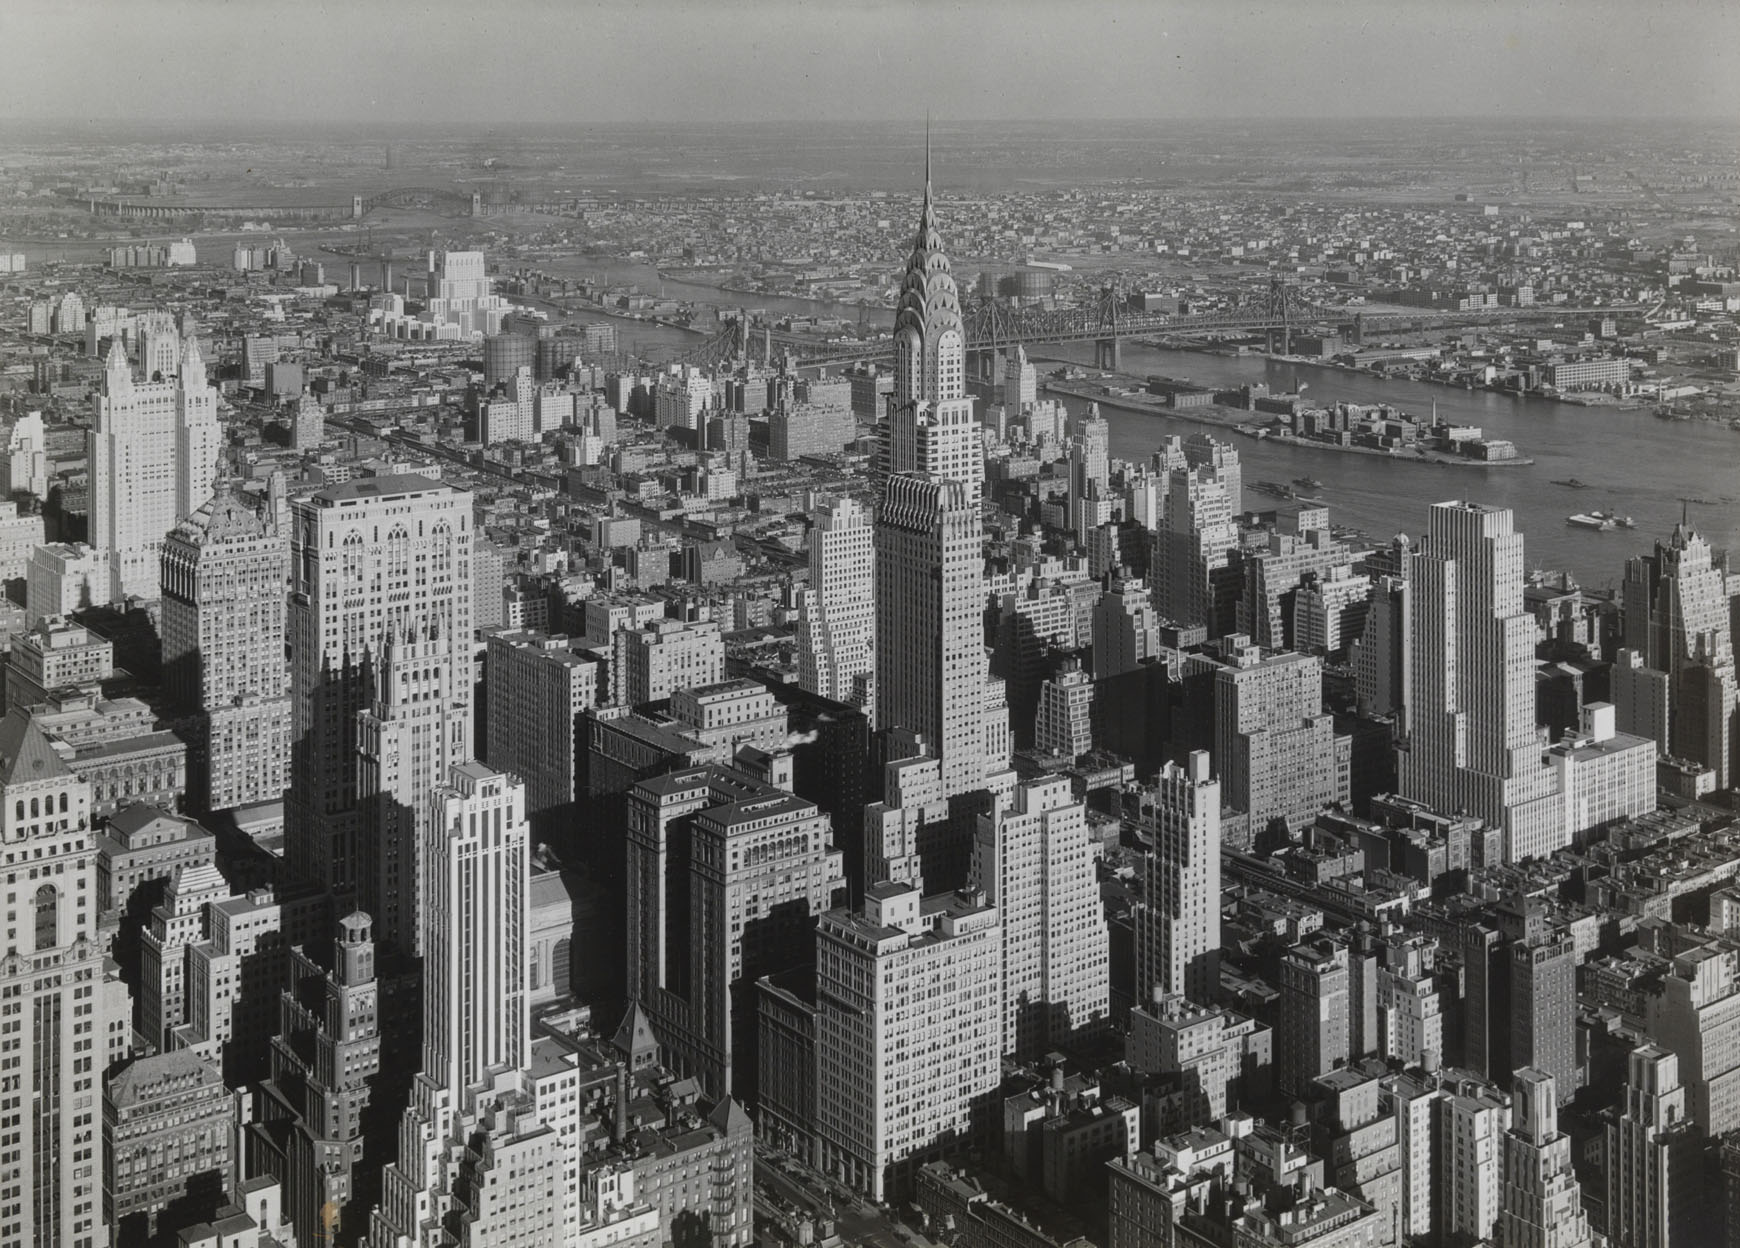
pixel 1238 420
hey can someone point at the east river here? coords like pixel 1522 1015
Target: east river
pixel 1633 464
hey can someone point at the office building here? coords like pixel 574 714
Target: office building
pixel 929 427
pixel 1223 1060
pixel 931 669
pixel 837 626
pixel 1036 862
pixel 653 661
pixel 536 685
pixel 1642 699
pixel 461 296
pixel 1690 1010
pixel 168 1132
pixel 53 1054
pixel 65 577
pixel 1679 620
pixel 323 1142
pixel 476 1017
pixel 24 459
pixel 725 877
pixel 1473 745
pixel 224 578
pixel 1314 1035
pixel 1063 725
pixel 1125 629
pixel 371 559
pixel 54 654
pixel 153 449
pixel 1279 758
pixel 1193 556
pixel 406 742
pixel 1471 1118
pixel 1542 1203
pixel 909 1034
pixel 1178 926
pixel 1652 1154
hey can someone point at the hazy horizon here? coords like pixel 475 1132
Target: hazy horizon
pixel 537 64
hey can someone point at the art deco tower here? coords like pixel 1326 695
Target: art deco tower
pixel 1471 706
pixel 930 425
pixel 153 450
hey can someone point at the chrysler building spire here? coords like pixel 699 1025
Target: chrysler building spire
pixel 929 344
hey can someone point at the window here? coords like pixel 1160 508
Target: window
pixel 47 917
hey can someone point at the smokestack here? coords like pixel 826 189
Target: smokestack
pixel 619 1127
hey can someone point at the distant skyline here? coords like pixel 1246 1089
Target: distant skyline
pixel 545 62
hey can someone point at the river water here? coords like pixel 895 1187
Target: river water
pixel 1634 464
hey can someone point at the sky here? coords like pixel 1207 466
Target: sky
pixel 674 61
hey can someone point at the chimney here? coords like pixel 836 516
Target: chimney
pixel 619 1127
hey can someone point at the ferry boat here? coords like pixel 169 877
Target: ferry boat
pixel 1308 483
pixel 1592 520
pixel 1615 519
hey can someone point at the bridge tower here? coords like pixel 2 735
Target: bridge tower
pixel 356 207
pixel 1109 351
pixel 476 204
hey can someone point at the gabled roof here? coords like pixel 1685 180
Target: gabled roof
pixel 25 753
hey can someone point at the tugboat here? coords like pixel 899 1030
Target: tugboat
pixel 1592 520
pixel 1573 483
pixel 1308 483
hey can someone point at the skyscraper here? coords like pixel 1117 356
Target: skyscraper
pixel 1035 860
pixel 909 1031
pixel 1192 563
pixel 372 559
pixel 1677 616
pixel 1276 748
pixel 406 744
pixel 931 671
pixel 725 877
pixel 930 426
pixel 1473 745
pixel 52 1049
pixel 1652 1158
pixel 837 630
pixel 153 448
pixel 476 1015
pixel 225 573
pixel 1542 1204
pixel 1178 927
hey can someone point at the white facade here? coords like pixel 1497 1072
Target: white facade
pixel 908 1033
pixel 1035 860
pixel 1064 722
pixel 1178 927
pixel 153 458
pixel 26 456
pixel 53 1047
pixel 1542 1205
pixel 371 559
pixel 837 628
pixel 65 577
pixel 1473 744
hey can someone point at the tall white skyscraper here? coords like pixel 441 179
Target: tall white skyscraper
pixel 1178 927
pixel 1542 1204
pixel 930 426
pixel 1035 860
pixel 1473 745
pixel 476 1008
pixel 153 448
pixel 931 670
pixel 837 630
pixel 52 1045
pixel 373 559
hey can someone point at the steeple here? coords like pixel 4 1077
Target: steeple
pixel 929 340
pixel 117 372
